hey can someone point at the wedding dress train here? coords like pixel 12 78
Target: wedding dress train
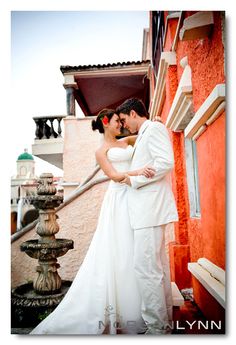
pixel 104 293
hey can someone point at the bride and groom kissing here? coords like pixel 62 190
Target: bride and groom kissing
pixel 123 285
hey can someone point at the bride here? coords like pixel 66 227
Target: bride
pixel 104 296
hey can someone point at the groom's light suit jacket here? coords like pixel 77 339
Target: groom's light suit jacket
pixel 150 200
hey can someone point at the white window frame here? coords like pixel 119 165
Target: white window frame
pixel 192 178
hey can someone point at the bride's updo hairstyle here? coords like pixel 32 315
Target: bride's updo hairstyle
pixel 104 116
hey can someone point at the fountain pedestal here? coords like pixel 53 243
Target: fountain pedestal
pixel 31 302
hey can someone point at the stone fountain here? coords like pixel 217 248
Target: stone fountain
pixel 31 302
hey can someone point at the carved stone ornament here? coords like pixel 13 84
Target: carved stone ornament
pixel 47 248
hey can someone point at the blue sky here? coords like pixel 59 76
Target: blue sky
pixel 41 41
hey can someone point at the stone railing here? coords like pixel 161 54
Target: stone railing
pixel 15 201
pixel 45 126
pixel 82 188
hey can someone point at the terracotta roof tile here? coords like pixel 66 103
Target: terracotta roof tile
pixel 67 68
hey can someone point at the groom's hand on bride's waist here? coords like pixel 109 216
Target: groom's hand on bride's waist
pixel 147 172
pixel 126 180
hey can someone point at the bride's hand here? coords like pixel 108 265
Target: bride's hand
pixel 147 172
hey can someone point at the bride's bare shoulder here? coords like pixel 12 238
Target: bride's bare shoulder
pixel 129 140
pixel 102 150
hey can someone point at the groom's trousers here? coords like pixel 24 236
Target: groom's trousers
pixel 153 276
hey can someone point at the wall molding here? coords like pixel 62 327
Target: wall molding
pixel 167 58
pixel 177 298
pixel 209 111
pixel 174 15
pixel 197 26
pixel 181 111
pixel 203 271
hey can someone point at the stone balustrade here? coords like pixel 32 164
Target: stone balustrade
pixel 25 199
pixel 48 127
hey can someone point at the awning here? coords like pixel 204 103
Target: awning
pixel 107 86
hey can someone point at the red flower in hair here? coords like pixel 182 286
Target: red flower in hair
pixel 105 120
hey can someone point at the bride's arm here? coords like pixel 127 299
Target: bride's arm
pixel 107 167
pixel 113 174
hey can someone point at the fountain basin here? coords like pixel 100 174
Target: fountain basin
pixel 32 302
pixel 40 250
pixel 28 308
pixel 46 201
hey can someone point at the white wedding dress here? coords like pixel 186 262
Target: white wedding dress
pixel 104 296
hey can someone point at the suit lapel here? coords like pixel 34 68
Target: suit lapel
pixel 139 139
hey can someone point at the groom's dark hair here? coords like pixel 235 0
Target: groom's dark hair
pixel 135 104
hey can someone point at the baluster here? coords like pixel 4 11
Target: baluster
pixel 37 131
pixel 48 130
pixel 59 126
pixel 53 133
pixel 44 129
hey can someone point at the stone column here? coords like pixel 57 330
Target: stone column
pixel 70 100
pixel 70 85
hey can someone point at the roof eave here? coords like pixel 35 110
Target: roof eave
pixel 66 69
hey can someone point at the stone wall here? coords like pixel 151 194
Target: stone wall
pixel 80 144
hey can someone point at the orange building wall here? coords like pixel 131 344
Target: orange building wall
pixel 179 251
pixel 211 162
pixel 211 308
pixel 206 59
pixel 204 237
pixel 170 34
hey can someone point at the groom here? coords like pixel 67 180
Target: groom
pixel 151 207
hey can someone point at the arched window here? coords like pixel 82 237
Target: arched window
pixel 23 171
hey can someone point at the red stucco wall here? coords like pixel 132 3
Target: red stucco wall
pixel 211 162
pixel 170 34
pixel 179 251
pixel 207 235
pixel 206 59
pixel 204 237
pixel 210 307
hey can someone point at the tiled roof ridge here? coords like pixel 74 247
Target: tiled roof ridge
pixel 68 68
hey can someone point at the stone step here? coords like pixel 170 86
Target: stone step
pixel 177 298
